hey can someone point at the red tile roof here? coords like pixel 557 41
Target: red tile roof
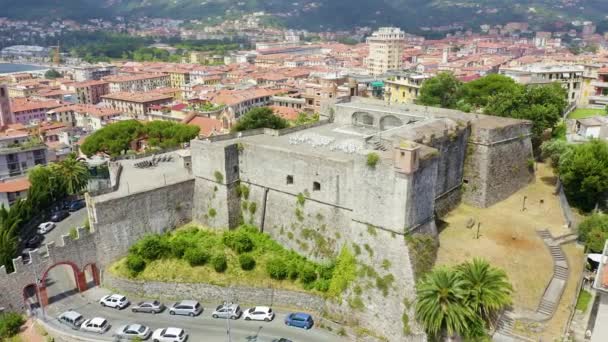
pixel 15 185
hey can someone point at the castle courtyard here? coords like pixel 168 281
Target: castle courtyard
pixel 508 239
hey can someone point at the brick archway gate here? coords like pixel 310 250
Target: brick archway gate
pixel 79 277
pixel 91 273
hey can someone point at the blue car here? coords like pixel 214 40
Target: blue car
pixel 76 205
pixel 300 320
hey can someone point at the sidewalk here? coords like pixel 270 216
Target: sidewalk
pixel 30 334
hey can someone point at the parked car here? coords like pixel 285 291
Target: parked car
pixel 72 319
pixel 114 301
pixel 132 331
pixel 227 310
pixel 169 335
pixel 151 306
pixel 186 307
pixel 76 205
pixel 58 216
pixel 259 313
pixel 45 227
pixel 96 325
pixel 300 320
pixel 34 241
pixel 281 340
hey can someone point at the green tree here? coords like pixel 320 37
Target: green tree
pixel 47 187
pixel 555 149
pixel 443 90
pixel 543 105
pixel 74 174
pixel 478 92
pixel 113 139
pixel 441 304
pixel 52 74
pixel 488 288
pixel 584 174
pixel 8 238
pixel 593 232
pixel 261 117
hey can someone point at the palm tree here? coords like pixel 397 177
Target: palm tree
pixel 488 288
pixel 441 307
pixel 74 174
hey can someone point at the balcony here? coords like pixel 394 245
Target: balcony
pixel 599 84
pixel 598 100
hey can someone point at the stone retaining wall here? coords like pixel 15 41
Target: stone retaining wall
pixel 212 293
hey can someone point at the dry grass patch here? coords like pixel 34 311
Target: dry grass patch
pixel 508 237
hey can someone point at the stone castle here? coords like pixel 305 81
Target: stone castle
pixel 363 179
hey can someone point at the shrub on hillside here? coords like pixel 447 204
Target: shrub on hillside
pixel 308 274
pixel 322 285
pixel 293 269
pixel 135 263
pixel 220 263
pixel 238 241
pixel 247 262
pixel 196 256
pixel 10 323
pixel 277 269
pixel 152 247
pixel 327 271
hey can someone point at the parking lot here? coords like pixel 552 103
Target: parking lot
pixel 200 328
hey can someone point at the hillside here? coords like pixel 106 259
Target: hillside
pixel 321 14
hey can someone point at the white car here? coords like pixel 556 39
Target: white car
pixel 114 301
pixel 96 325
pixel 45 227
pixel 132 331
pixel 169 335
pixel 259 313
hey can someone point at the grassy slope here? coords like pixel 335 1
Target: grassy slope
pixel 581 113
pixel 178 270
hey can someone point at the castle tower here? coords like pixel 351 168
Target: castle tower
pixel 6 115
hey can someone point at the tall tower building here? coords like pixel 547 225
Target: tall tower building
pixel 385 50
pixel 6 116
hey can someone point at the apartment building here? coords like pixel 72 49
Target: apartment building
pixel 12 190
pixel 95 72
pixel 136 104
pixel 569 76
pixel 28 111
pixel 89 92
pixel 18 154
pixel 88 117
pixel 135 83
pixel 403 87
pixel 599 94
pixel 385 50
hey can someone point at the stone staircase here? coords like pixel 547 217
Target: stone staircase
pixel 505 324
pixel 379 144
pixel 553 292
pixel 556 286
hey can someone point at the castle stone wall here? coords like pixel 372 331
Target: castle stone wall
pixel 120 222
pixel 497 162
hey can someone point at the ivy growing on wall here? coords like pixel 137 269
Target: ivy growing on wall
pixel 423 252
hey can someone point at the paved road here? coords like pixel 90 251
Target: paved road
pixel 76 219
pixel 201 328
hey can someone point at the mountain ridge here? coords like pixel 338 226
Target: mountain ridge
pixel 322 14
